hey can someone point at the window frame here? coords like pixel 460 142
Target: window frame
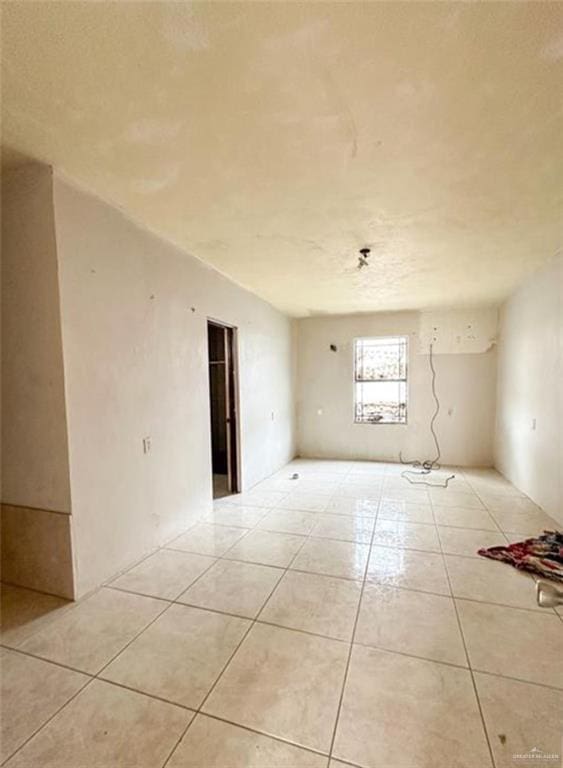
pixel 406 380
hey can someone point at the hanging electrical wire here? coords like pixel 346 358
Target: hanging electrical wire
pixel 428 465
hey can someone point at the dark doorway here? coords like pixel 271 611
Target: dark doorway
pixel 223 398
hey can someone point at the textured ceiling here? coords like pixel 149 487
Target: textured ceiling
pixel 273 140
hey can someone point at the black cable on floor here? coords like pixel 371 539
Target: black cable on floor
pixel 428 465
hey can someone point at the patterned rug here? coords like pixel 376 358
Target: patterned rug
pixel 543 555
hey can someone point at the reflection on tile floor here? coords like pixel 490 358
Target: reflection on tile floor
pixel 340 618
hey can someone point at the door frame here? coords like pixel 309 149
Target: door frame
pixel 232 399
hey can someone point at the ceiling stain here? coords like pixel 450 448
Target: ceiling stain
pixel 153 131
pixel 554 49
pixel 182 28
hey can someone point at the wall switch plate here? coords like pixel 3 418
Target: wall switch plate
pixel 147 444
pixel 533 425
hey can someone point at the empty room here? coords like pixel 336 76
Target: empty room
pixel 282 384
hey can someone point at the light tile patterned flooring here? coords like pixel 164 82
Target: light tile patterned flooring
pixel 342 618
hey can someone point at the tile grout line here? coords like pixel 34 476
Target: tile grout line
pixel 474 684
pixel 48 620
pixel 49 719
pixel 96 676
pixel 351 647
pixel 552 610
pixel 140 594
pixel 169 604
pixel 195 711
pixel 262 733
pixel 122 572
pixel 153 696
pixel 347 579
pixel 217 558
pixel 29 655
pixel 46 660
pixel 259 620
pixel 169 601
pixel 191 710
pixel 252 623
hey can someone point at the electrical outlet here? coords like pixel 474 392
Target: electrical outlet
pixel 147 444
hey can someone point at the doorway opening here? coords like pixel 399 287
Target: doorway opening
pixel 223 399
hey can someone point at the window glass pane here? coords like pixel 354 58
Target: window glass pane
pixel 381 402
pixel 381 359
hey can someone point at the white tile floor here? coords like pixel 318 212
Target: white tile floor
pixel 339 619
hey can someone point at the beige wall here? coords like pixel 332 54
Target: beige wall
pixel 530 389
pixel 135 358
pixel 35 470
pixel 465 385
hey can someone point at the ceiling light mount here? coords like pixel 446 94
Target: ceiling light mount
pixel 363 257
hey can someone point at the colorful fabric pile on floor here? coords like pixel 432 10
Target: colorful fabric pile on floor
pixel 543 555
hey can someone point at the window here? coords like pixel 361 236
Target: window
pixel 380 380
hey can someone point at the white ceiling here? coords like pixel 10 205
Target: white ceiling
pixel 273 140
